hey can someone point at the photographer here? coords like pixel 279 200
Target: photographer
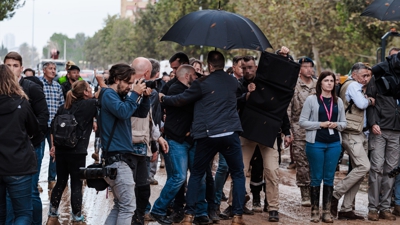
pixel 117 107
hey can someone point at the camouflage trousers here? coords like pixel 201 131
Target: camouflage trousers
pixel 302 167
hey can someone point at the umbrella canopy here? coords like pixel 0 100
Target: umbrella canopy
pixel 217 28
pixel 385 10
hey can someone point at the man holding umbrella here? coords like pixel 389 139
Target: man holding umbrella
pixel 215 127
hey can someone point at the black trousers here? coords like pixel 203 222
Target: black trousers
pixel 68 165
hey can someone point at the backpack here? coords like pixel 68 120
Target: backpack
pixel 64 130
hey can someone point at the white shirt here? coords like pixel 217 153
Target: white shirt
pixel 354 92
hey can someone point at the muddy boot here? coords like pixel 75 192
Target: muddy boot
pixel 238 220
pixel 334 206
pixel 78 223
pixel 187 219
pixel 326 204
pixel 51 184
pixel 396 210
pixel 142 200
pixel 305 196
pixel 314 193
pixel 53 220
pixel 257 202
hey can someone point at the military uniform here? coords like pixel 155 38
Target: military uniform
pixel 302 91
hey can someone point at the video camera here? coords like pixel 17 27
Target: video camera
pixel 97 171
pixel 387 76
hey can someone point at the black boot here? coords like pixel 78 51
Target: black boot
pixel 256 199
pixel 314 194
pixel 326 204
pixel 305 196
pixel 142 199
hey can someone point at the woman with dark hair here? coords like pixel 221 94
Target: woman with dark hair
pixel 17 156
pixel 80 103
pixel 197 65
pixel 323 118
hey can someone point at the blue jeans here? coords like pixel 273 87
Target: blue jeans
pixel 397 189
pixel 19 189
pixel 322 159
pixel 179 201
pixel 179 158
pixel 206 148
pixel 220 179
pixel 36 201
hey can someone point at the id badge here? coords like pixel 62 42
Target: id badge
pixel 331 132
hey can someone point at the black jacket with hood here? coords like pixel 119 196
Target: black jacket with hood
pixel 37 100
pixel 18 124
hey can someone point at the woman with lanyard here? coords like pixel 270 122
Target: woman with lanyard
pixel 323 117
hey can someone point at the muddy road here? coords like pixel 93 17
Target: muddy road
pixel 96 206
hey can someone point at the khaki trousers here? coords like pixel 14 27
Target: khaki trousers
pixel 356 147
pixel 271 170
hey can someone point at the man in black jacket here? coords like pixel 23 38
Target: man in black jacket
pixel 181 153
pixel 72 76
pixel 215 127
pixel 30 75
pixel 383 119
pixel 38 103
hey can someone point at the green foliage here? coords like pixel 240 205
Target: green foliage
pixel 332 32
pixel 28 54
pixel 3 51
pixel 8 7
pixel 74 47
pixel 122 41
pixel 112 44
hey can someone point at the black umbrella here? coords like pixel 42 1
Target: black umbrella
pixel 217 28
pixel 385 10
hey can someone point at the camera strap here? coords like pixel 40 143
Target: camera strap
pixel 105 151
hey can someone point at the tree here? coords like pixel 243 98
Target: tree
pixel 3 52
pixel 331 32
pixel 28 53
pixel 74 47
pixel 155 21
pixel 8 7
pixel 121 41
pixel 112 44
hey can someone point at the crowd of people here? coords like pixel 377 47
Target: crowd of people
pixel 188 117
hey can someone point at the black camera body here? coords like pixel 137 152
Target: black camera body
pixel 97 172
pixel 394 172
pixel 154 84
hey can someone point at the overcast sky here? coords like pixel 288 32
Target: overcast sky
pixel 57 16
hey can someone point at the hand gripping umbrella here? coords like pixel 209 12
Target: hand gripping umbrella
pixel 217 28
pixel 385 10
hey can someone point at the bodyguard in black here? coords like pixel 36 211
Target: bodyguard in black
pixel 215 128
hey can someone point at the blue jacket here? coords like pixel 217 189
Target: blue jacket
pixel 113 107
pixel 215 104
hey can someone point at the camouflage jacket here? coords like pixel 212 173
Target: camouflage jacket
pixel 301 92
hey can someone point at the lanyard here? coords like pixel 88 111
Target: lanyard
pixel 329 114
